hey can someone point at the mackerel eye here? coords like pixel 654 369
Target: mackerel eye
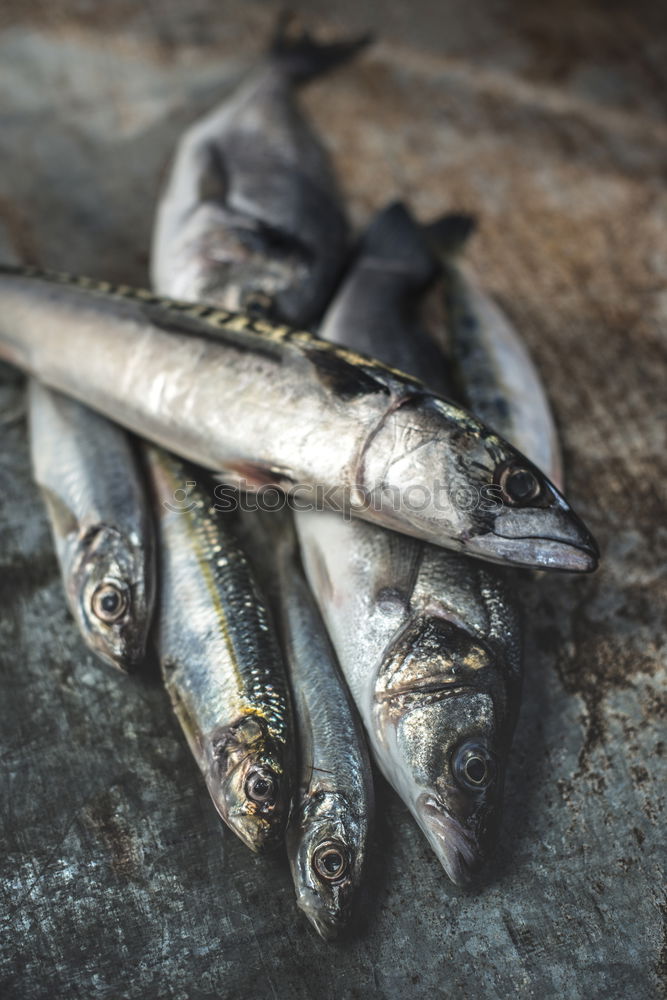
pixel 109 603
pixel 260 788
pixel 519 486
pixel 473 766
pixel 330 861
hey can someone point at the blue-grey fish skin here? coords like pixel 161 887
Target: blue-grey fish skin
pixel 88 475
pixel 220 658
pixel 251 218
pixel 495 374
pixel 429 641
pixel 332 817
pixel 265 404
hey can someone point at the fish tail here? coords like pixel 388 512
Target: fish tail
pixel 395 237
pixel 302 58
pixel 449 234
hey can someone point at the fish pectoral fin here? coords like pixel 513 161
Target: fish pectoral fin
pixel 249 476
pixel 212 182
pixel 62 517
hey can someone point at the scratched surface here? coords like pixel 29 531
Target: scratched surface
pixel 117 879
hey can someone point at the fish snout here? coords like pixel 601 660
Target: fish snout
pixel 328 923
pixel 546 538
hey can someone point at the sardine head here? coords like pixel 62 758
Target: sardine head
pixel 111 595
pixel 325 843
pixel 444 723
pixel 435 471
pixel 248 781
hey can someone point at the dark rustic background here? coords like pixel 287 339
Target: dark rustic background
pixel 118 880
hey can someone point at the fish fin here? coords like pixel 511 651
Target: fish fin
pixel 251 476
pixel 212 183
pixel 62 518
pixel 395 238
pixel 302 58
pixel 449 234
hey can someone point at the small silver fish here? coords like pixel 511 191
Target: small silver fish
pixel 88 476
pixel 263 404
pixel 220 659
pixel 250 218
pixel 327 837
pixel 429 641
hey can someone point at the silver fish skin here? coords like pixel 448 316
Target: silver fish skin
pixel 262 404
pixel 497 377
pixel 89 478
pixel 220 659
pixel 429 641
pixel 327 837
pixel 251 218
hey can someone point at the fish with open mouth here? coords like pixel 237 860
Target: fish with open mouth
pixel 332 815
pixel 428 640
pixel 264 404
pixel 250 218
pixel 88 475
pixel 220 659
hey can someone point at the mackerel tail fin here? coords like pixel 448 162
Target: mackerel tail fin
pixel 449 234
pixel 302 58
pixel 395 241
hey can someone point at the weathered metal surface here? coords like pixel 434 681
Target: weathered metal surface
pixel 118 879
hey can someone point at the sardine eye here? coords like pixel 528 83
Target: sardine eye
pixel 473 766
pixel 330 861
pixel 519 486
pixel 260 787
pixel 109 602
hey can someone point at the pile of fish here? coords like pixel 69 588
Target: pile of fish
pixel 375 610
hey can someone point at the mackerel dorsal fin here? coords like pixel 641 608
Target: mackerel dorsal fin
pixel 395 241
pixel 449 234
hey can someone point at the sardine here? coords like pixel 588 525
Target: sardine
pixel 263 404
pixel 220 659
pixel 251 218
pixel 496 376
pixel 429 641
pixel 88 475
pixel 327 837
